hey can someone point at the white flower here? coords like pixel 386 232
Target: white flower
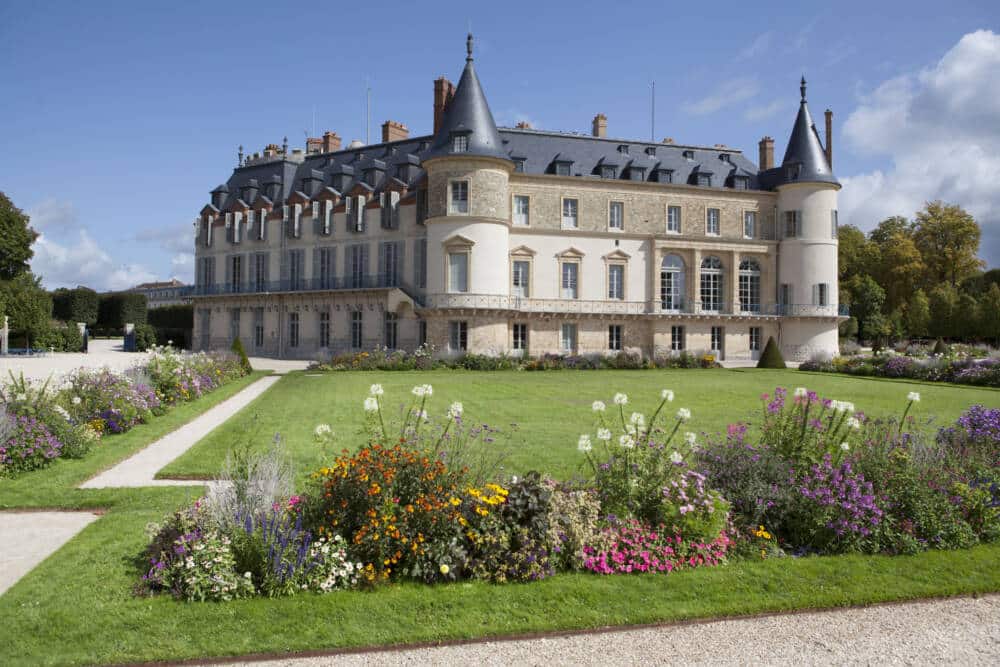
pixel 513 479
pixel 913 397
pixel 376 390
pixel 604 434
pixel 676 458
pixel 597 406
pixel 418 391
pixel 371 404
pixel 428 390
pixel 667 395
pixel 848 406
pixel 422 414
pixel 690 437
pixel 845 446
pixel 854 423
pixel 637 419
pixel 801 392
pixel 323 430
pixel 626 441
pixel 583 444
pixel 62 412
pixel 455 411
pixel 621 399
pixel 683 414
pixel 76 400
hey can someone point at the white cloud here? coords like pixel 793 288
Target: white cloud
pixel 176 238
pixel 51 215
pixel 728 93
pixel 765 111
pixel 759 45
pixel 941 128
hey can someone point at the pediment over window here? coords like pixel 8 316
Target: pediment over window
pixel 458 241
pixel 571 253
pixel 208 209
pixel 298 197
pixel 261 203
pixel 328 194
pixel 396 185
pixel 239 206
pixel 523 251
pixel 617 255
pixel 361 189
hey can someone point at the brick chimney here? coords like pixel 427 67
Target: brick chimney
pixel 393 131
pixel 331 142
pixel 599 126
pixel 766 147
pixel 668 140
pixel 444 90
pixel 523 125
pixel 314 145
pixel 829 137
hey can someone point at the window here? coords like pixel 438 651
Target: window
pixel 569 213
pixel 356 329
pixel 704 180
pixel 458 336
pixel 609 171
pixel 616 281
pixel 671 283
pixel 520 337
pixel 521 277
pixel 749 286
pixel 676 338
pixel 389 259
pixel 711 284
pixel 749 224
pixel 740 182
pixel 324 329
pixel 460 143
pixel 562 168
pixel 616 215
pixel 358 265
pixel 755 339
pixel 325 271
pixel 458 272
pixel 712 222
pixel 234 324
pixel 422 205
pixel 833 223
pixel 205 315
pixel 421 333
pixel 519 165
pixel 391 330
pixel 570 276
pixel 615 337
pixel 260 261
pixel 420 263
pixel 521 210
pixel 673 219
pixel 793 224
pixel 717 340
pixel 821 294
pixel 784 294
pixel 665 175
pixel 236 272
pixel 258 327
pixel 567 338
pixel 206 274
pixel 296 269
pixel 293 329
pixel 460 197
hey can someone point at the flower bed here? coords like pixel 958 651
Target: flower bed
pixel 959 369
pixel 39 423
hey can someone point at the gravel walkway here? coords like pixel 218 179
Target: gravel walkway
pixel 103 353
pixel 28 538
pixel 957 631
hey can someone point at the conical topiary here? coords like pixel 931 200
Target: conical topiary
pixel 237 349
pixel 771 357
pixel 940 347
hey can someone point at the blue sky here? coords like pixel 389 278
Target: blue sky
pixel 119 118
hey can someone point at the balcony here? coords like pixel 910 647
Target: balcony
pixel 333 283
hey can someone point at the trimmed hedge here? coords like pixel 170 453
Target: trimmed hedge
pixel 771 357
pixel 75 305
pixel 237 349
pixel 116 309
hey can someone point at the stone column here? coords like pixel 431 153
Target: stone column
pixel 694 274
pixel 734 281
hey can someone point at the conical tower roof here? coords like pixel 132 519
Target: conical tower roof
pixel 805 159
pixel 468 114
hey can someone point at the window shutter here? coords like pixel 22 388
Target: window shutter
pixel 398 255
pixel 267 266
pixel 297 221
pixel 815 298
pixel 798 224
pixel 237 222
pixel 364 260
pixel 382 260
pixel 284 268
pixel 359 206
pixel 252 272
pixel 317 274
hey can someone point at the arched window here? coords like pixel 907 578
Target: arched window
pixel 750 286
pixel 711 284
pixel 672 283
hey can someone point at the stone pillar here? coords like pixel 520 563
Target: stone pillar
pixel 4 335
pixel 733 276
pixel 694 284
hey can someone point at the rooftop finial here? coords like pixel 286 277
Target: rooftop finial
pixel 802 88
pixel 468 48
pixel 284 146
pixel 239 157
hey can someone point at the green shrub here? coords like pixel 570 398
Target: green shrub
pixel 237 349
pixel 145 337
pixel 940 348
pixel 771 357
pixel 117 309
pixel 75 305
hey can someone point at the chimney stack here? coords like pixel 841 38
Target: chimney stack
pixel 668 140
pixel 444 90
pixel 829 137
pixel 331 142
pixel 393 131
pixel 314 145
pixel 599 126
pixel 523 125
pixel 766 146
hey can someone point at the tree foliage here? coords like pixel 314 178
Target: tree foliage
pixel 16 237
pixel 75 305
pixel 28 306
pixel 948 239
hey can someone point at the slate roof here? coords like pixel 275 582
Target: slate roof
pixel 805 160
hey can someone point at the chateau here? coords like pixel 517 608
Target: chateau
pixel 521 241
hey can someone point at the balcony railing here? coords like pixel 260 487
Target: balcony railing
pixel 378 281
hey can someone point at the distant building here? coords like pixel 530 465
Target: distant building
pixel 169 293
pixel 522 241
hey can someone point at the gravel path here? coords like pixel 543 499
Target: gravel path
pixel 28 538
pixel 102 353
pixel 957 631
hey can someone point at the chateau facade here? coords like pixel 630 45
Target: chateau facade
pixel 521 241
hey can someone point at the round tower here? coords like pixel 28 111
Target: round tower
pixel 468 217
pixel 807 254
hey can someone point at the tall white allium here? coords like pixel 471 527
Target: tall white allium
pixel 455 411
pixel 323 430
pixel 667 395
pixel 854 423
pixel 913 397
pixel 676 458
pixel 371 404
pixel 690 437
pixel 683 414
pixel 621 399
pixel 604 434
pixel 626 441
pixel 583 444
pixel 376 390
pixel 801 392
pixel 597 406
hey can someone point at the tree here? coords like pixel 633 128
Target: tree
pixel 16 237
pixel 967 322
pixel 75 305
pixel 854 252
pixel 28 305
pixel 900 270
pixel 943 301
pixel 867 299
pixel 918 315
pixel 897 225
pixel 948 240
pixel 989 314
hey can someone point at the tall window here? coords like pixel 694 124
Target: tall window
pixel 570 276
pixel 460 197
pixel 421 333
pixel 671 283
pixel 793 224
pixel 234 324
pixel 673 219
pixel 749 286
pixel 325 270
pixel 205 314
pixel 420 263
pixel 521 278
pixel 356 329
pixel 749 224
pixel 358 266
pixel 833 223
pixel 755 339
pixel 260 262
pixel 296 269
pixel 717 341
pixel 258 327
pixel 522 213
pixel 324 328
pixel 821 294
pixel 616 215
pixel 615 337
pixel 784 294
pixel 711 284
pixel 520 337
pixel 712 222
pixel 236 272
pixel 676 338
pixel 567 338
pixel 458 272
pixel 389 258
pixel 569 213
pixel 458 336
pixel 293 329
pixel 616 281
pixel 391 330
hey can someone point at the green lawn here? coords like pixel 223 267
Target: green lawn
pixel 551 409
pixel 77 607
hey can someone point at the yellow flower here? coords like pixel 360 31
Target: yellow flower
pixel 444 569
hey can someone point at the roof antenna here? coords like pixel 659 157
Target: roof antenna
pixel 802 87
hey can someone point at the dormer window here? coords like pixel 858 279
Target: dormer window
pixel 460 143
pixel 623 149
pixel 664 176
pixel 741 182
pixel 651 151
pixel 704 180
pixel 636 173
pixel 562 168
pixel 792 172
pixel 609 171
pixel 519 165
pixel 371 177
pixel 724 157
pixel 688 155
